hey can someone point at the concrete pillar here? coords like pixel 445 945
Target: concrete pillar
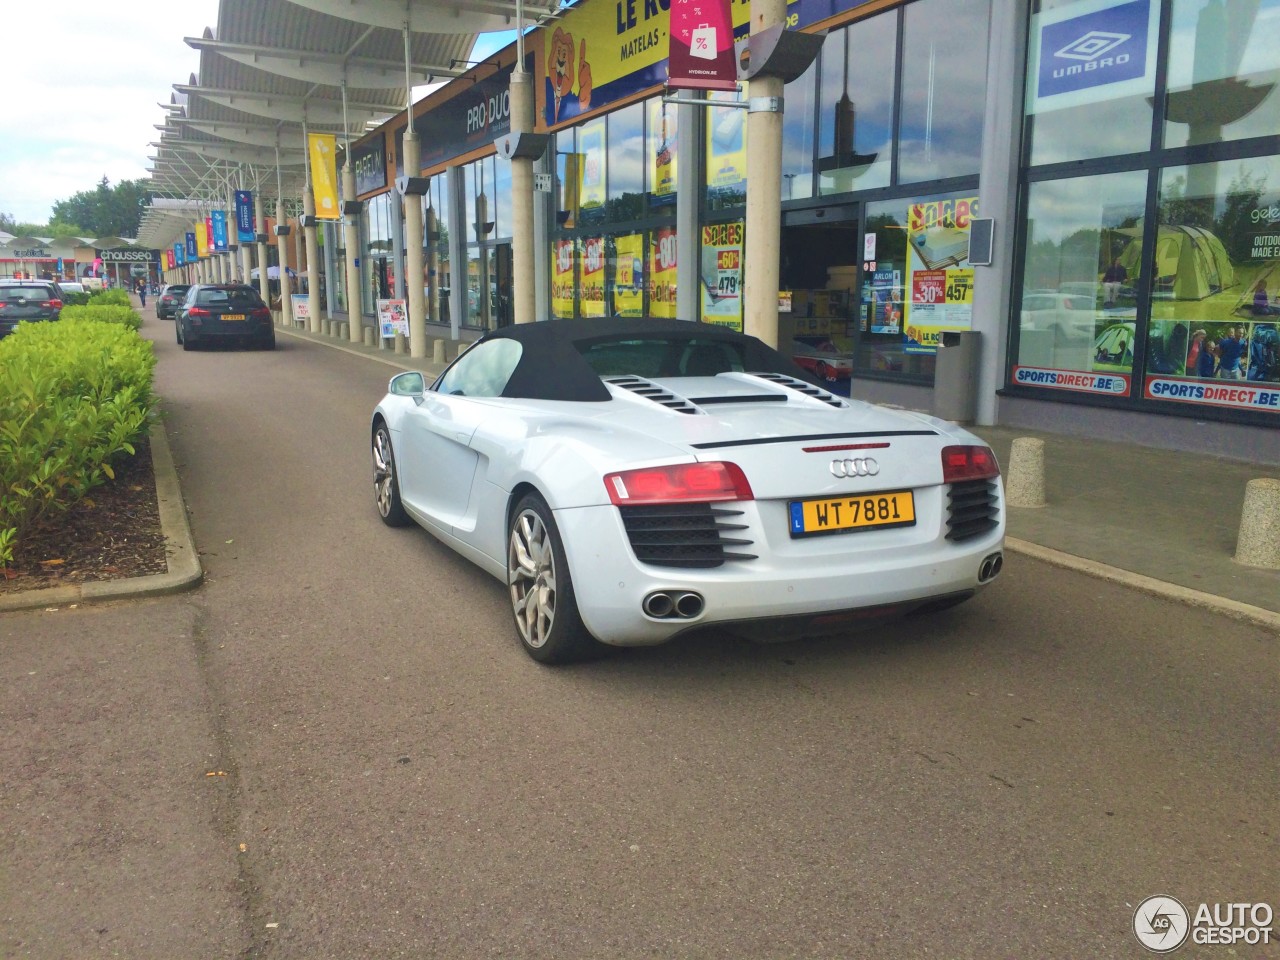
pixel 260 224
pixel 1258 541
pixel 1024 485
pixel 282 246
pixel 413 272
pixel 351 235
pixel 313 256
pixel 522 243
pixel 764 196
pixel 998 194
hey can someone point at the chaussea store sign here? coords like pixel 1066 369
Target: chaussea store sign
pixel 129 255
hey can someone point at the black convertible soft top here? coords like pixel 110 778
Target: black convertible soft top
pixel 552 365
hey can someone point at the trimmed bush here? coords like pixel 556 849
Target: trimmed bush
pixel 74 397
pixel 114 297
pixel 104 312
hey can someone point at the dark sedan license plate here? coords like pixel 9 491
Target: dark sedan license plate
pixel 233 316
pixel 889 508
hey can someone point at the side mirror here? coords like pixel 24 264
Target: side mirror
pixel 409 384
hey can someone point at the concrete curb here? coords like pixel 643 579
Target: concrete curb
pixel 183 561
pixel 1136 581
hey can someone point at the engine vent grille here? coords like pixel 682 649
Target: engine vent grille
pixel 971 509
pixel 688 535
pixel 651 391
pixel 808 389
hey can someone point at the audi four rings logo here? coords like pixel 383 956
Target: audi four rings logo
pixel 857 467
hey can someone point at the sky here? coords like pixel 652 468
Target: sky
pixel 85 89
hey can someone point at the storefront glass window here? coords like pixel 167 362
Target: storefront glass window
pixel 944 88
pixel 566 180
pixel 662 273
pixel 1080 283
pixel 627 274
pixel 470 187
pixel 726 155
pixel 592 171
pixel 564 261
pixel 1091 71
pixel 920 284
pixel 502 197
pixel 1215 286
pixel 379 267
pixel 855 111
pixel 627 164
pixel 662 152
pixel 1224 72
pixel 798 136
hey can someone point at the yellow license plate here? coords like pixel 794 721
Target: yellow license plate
pixel 233 316
pixel 888 508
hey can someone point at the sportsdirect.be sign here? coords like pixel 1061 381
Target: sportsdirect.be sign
pixel 129 256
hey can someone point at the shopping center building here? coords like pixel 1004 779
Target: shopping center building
pixel 1081 198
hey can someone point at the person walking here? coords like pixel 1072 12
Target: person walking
pixel 1112 280
pixel 142 292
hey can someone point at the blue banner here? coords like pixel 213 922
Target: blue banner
pixel 219 218
pixel 179 255
pixel 246 231
pixel 192 253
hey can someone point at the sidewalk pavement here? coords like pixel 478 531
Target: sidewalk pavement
pixel 1162 521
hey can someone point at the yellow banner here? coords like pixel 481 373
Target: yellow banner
pixel 662 274
pixel 592 286
pixel 324 175
pixel 628 275
pixel 202 238
pixel 564 255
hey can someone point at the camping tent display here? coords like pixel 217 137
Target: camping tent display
pixel 1191 263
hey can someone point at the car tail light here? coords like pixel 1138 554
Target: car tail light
pixel 198 312
pixel 55 304
pixel 260 313
pixel 968 463
pixel 680 482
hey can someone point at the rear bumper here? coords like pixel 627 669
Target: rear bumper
pixel 788 582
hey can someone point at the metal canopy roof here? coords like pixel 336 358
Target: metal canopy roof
pixel 274 65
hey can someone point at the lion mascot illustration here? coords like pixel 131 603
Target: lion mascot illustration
pixel 562 103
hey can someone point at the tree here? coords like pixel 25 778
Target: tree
pixel 105 210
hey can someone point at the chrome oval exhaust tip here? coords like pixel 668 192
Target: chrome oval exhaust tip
pixel 658 605
pixel 990 567
pixel 689 605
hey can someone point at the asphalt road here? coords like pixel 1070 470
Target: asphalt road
pixel 335 748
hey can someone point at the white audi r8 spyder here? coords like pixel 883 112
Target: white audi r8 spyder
pixel 631 480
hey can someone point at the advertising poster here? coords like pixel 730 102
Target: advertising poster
pixel 720 273
pixel 939 279
pixel 662 274
pixel 628 276
pixel 701 46
pixel 301 310
pixel 563 255
pixel 603 52
pixel 218 222
pixel 592 163
pixel 193 248
pixel 324 175
pixel 246 228
pixel 662 148
pixel 885 299
pixel 202 239
pixel 393 317
pixel 726 149
pixel 592 285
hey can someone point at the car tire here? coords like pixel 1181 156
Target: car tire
pixel 177 332
pixel 386 480
pixel 543 604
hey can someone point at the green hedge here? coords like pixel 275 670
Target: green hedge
pixel 113 297
pixel 74 397
pixel 105 312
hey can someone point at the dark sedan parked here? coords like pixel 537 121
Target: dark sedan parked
pixel 170 300
pixel 224 313
pixel 28 300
